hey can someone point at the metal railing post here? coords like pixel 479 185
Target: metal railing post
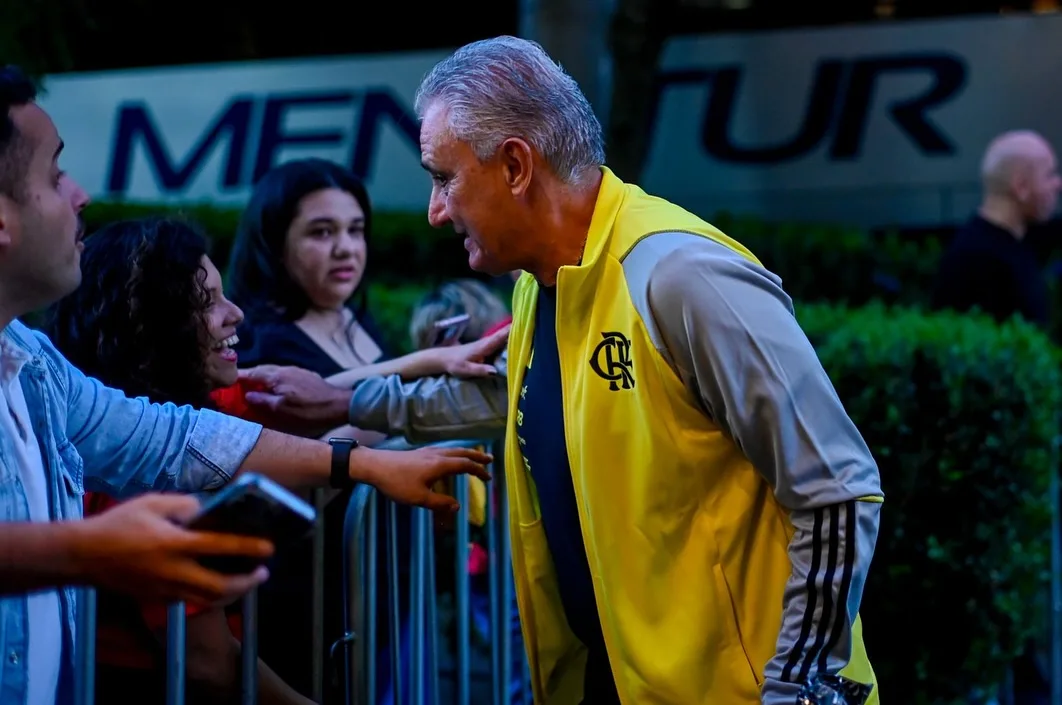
pixel 361 567
pixel 85 691
pixel 175 654
pixel 249 650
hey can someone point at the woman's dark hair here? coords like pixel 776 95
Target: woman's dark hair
pixel 136 321
pixel 258 281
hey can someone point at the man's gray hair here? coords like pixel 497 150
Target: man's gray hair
pixel 506 87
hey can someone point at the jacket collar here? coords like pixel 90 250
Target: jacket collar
pixel 610 199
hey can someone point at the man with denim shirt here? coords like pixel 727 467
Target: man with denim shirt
pixel 62 432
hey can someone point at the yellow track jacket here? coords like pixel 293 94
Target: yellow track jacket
pixel 728 505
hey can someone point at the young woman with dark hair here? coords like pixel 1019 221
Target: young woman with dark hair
pixel 151 319
pixel 298 269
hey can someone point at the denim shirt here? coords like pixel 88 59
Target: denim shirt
pixel 93 437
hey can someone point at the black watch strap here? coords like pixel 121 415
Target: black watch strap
pixel 339 478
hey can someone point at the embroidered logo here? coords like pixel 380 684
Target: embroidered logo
pixel 611 360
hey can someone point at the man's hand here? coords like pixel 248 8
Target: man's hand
pixel 407 476
pixel 296 399
pixel 139 548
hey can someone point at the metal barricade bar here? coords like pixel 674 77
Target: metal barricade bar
pixel 359 644
pixel 420 683
pixel 176 676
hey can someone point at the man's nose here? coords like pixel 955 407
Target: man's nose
pixel 437 214
pixel 78 197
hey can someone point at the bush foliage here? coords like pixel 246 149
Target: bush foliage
pixel 963 419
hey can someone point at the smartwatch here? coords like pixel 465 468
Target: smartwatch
pixel 339 478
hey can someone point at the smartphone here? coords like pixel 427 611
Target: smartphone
pixel 449 330
pixel 252 505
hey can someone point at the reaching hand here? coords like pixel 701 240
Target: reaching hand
pixel 469 360
pixel 295 399
pixel 140 548
pixel 407 476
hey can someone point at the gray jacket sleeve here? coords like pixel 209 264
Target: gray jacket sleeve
pixel 728 329
pixel 433 408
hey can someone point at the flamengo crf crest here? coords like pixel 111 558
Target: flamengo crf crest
pixel 611 360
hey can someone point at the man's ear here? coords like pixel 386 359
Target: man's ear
pixel 518 163
pixel 1021 182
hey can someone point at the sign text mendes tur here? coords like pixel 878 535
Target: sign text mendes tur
pixel 251 129
pixel 836 109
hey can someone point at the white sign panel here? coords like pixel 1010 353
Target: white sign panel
pixel 207 133
pixel 875 124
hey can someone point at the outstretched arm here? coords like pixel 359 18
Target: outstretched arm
pixel 466 361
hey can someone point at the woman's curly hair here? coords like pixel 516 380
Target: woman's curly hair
pixel 137 321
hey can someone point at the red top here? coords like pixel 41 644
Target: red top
pixel 126 627
pixel 499 325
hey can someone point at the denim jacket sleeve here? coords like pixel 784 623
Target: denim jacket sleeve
pixel 131 445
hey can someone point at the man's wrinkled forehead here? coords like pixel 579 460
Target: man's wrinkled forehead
pixel 437 142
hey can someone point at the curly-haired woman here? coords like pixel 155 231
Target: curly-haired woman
pixel 151 318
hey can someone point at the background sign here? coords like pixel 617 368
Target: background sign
pixel 873 124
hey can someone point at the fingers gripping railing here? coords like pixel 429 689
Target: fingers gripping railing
pixel 419 682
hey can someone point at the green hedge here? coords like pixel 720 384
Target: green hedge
pixel 858 266
pixel 963 419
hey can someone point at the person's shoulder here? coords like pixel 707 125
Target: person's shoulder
pixel 27 339
pixel 681 263
pixel 270 342
pixel 37 345
pixel 255 332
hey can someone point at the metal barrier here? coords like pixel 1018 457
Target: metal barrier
pixel 358 668
pixel 85 662
pixel 360 642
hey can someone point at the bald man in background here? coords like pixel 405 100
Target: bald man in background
pixel 990 264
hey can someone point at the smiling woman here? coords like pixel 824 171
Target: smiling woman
pixel 150 317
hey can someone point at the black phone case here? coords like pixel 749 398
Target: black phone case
pixel 250 513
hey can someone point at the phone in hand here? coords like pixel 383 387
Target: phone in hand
pixel 449 330
pixel 252 505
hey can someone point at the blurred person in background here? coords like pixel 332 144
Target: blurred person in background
pixel 990 265
pixel 463 297
pixel 61 431
pixel 993 266
pixel 152 320
pixel 664 407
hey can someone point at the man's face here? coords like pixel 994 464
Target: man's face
pixel 41 230
pixel 1044 186
pixel 470 194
